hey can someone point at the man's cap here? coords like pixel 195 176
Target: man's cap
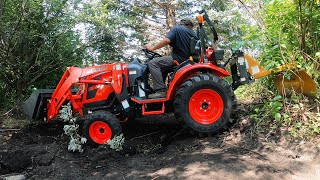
pixel 186 22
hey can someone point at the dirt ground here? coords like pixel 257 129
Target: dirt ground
pixel 158 148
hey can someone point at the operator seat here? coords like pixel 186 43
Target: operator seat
pixel 174 69
pixel 195 54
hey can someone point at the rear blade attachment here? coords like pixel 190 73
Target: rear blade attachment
pixel 35 107
pixel 300 82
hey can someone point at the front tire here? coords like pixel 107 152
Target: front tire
pixel 204 103
pixel 100 127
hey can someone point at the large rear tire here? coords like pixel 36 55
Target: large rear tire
pixel 100 127
pixel 204 103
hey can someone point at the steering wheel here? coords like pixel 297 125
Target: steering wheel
pixel 150 54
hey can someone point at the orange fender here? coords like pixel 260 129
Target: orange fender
pixel 190 70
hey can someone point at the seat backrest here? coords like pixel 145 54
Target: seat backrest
pixel 195 49
pixel 185 63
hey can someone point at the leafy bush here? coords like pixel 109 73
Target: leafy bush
pixel 269 114
pixel 116 142
pixel 297 116
pixel 303 116
pixel 256 90
pixel 76 141
pixel 286 32
pixel 6 97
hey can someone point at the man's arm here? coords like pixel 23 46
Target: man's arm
pixel 159 45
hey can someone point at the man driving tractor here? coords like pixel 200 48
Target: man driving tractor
pixel 198 93
pixel 179 39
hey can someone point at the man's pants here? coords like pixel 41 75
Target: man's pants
pixel 155 66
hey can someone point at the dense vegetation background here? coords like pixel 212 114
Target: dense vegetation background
pixel 40 38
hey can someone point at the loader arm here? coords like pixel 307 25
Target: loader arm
pixel 77 76
pixel 62 91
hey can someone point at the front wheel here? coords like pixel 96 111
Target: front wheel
pixel 205 102
pixel 100 127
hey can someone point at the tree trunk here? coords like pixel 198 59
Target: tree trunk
pixel 19 93
pixel 303 28
pixel 170 10
pixel 170 15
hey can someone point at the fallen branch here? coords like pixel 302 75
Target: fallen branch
pixel 4 130
pixel 177 134
pixel 5 114
pixel 144 135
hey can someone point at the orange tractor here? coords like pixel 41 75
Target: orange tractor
pixel 109 94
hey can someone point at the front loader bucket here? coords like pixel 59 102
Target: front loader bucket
pixel 35 106
pixel 300 82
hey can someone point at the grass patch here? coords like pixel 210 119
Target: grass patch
pixel 7 122
pixel 252 91
pixel 296 117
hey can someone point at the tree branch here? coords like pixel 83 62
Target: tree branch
pixel 40 73
pixel 252 15
pixel 13 33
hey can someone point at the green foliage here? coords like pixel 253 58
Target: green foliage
pixel 270 111
pixel 39 39
pixel 303 120
pixel 252 92
pixel 5 97
pixel 8 122
pixel 286 31
pixel 296 116
pixel 290 33
pixel 116 142
pixel 149 148
pixel 76 141
pixel 36 40
pixel 107 28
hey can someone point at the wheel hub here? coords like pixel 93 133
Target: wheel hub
pixel 206 106
pixel 100 132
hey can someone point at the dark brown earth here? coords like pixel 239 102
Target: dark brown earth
pixel 158 148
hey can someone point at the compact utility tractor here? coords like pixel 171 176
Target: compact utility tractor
pixel 197 94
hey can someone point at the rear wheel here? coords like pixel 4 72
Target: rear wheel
pixel 100 127
pixel 205 103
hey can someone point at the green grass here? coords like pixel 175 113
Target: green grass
pixel 252 91
pixel 7 122
pixel 295 117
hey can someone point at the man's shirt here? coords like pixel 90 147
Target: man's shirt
pixel 180 37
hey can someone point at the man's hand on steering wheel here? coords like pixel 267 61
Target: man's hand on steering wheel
pixel 159 45
pixel 149 47
pixel 150 54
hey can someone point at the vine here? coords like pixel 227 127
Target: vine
pixel 116 142
pixel 71 129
